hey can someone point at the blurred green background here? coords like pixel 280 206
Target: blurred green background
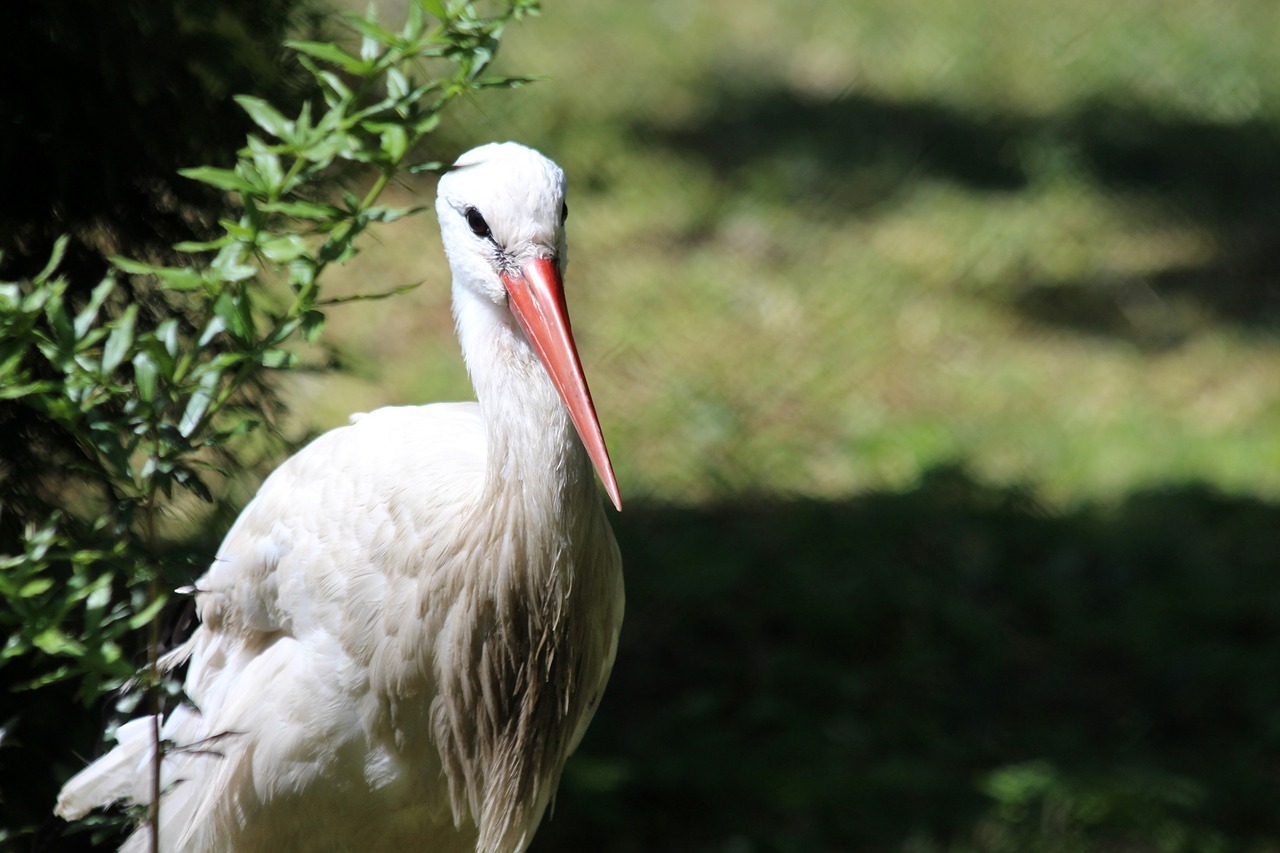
pixel 823 247
pixel 936 344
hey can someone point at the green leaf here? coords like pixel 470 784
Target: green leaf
pixel 35 587
pixel 279 358
pixel 282 332
pixel 335 94
pixel 301 209
pixel 267 164
pixel 54 675
pixel 397 84
pixel 175 278
pixel 52 641
pixel 144 375
pixel 235 312
pixel 149 612
pixel 370 30
pixel 191 481
pixel 322 153
pixel 369 297
pixel 332 54
pixel 265 116
pixel 302 276
pixel 391 214
pixel 201 397
pixel 242 232
pixel 55 259
pixel 12 352
pixel 131 266
pixel 34 302
pixel 229 264
pixel 504 82
pixel 64 332
pixel 338 249
pixel 312 325
pixel 13 647
pixel 90 311
pixel 10 391
pixel 256 183
pixel 223 179
pixel 435 7
pixel 212 329
pixel 190 246
pixel 394 142
pixel 415 23
pixel 426 124
pixel 119 341
pixel 167 334
pixel 106 436
pixel 180 278
pixel 99 592
pixel 283 249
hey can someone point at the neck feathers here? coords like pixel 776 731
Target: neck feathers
pixel 510 704
pixel 536 462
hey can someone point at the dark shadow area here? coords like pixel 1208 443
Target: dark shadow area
pixel 1163 310
pixel 855 154
pixel 950 664
pixel 1239 286
pixel 851 154
pixel 1223 171
pixel 105 103
pixel 1225 176
pixel 108 101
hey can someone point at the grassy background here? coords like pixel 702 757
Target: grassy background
pixel 936 346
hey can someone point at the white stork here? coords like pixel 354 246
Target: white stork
pixel 406 632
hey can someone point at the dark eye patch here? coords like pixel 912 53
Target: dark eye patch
pixel 476 222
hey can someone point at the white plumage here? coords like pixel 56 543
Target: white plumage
pixel 406 632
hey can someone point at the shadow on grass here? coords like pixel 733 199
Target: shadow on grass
pixel 848 155
pixel 951 665
pixel 1163 310
pixel 1226 176
pixel 855 154
pixel 1221 171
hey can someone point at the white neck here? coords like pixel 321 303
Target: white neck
pixel 540 518
pixel 536 464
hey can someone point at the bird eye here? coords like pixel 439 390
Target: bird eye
pixel 564 211
pixel 478 226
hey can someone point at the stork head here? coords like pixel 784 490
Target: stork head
pixel 502 214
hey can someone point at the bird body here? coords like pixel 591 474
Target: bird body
pixel 406 631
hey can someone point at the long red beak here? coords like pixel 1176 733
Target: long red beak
pixel 537 301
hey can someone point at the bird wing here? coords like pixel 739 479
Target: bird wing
pixel 302 623
pixel 332 523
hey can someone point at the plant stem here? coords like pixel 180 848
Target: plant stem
pixel 153 689
pixel 153 651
